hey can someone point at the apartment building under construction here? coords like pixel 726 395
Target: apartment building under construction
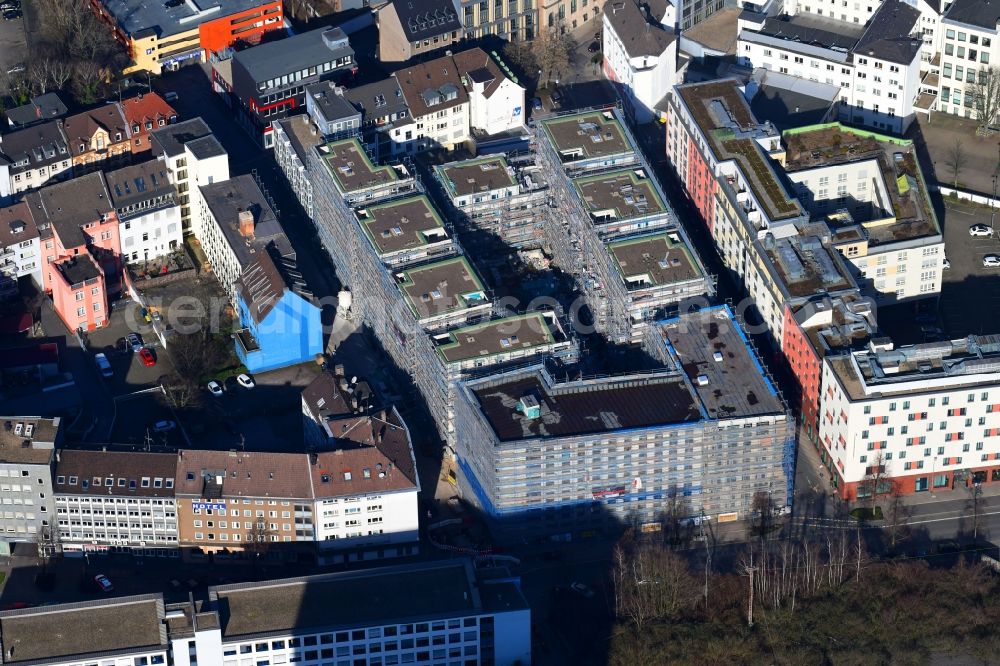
pixel 411 283
pixel 613 229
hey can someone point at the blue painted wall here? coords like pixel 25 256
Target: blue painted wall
pixel 291 333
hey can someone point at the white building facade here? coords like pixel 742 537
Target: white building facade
pixel 929 414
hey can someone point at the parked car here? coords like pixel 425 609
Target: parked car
pixel 10 16
pixel 144 313
pixel 556 96
pixel 536 103
pixel 991 260
pixel 134 341
pixel 245 380
pixel 103 365
pixel 146 354
pixel 215 388
pixel 581 589
pixel 164 426
pixel 171 96
pixel 945 264
pixel 594 47
pixel 103 583
pixel 18 68
pixel 980 230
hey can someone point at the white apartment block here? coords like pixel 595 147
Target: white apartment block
pixel 292 138
pixel 440 612
pixel 33 156
pixel 929 412
pixel 19 248
pixel 149 215
pixel 640 56
pixel 116 501
pixel 876 64
pixel 194 158
pixel 968 45
pixel 27 450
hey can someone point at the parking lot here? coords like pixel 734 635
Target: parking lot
pixel 970 294
pixel 13 46
pixel 131 374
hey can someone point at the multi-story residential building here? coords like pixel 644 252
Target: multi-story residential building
pixel 255 265
pixel 98 138
pixel 270 80
pixel 513 20
pixel 27 451
pixel 411 28
pixel 877 64
pixel 816 329
pixel 20 250
pixel 452 97
pixel 387 128
pixel 145 113
pixel 40 109
pixel 33 156
pixel 640 56
pixel 544 457
pixel 194 157
pixel 80 247
pixel 329 108
pixel 606 195
pixel 116 501
pixel 444 612
pixel 279 320
pixel 568 15
pixel 507 197
pixel 924 418
pixel 149 216
pixel 967 35
pixel 227 500
pixel 125 630
pixel 858 209
pixel 168 35
pixel 293 139
pixel 410 284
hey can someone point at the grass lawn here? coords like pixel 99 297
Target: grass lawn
pixel 864 513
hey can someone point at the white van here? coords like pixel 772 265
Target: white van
pixel 103 365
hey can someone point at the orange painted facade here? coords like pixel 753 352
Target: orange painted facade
pixel 701 184
pixel 935 481
pixel 244 27
pixel 82 305
pixel 806 367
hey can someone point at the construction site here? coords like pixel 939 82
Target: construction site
pixel 608 210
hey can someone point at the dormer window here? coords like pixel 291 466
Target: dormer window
pixel 118 136
pixel 149 124
pixel 135 128
pixel 83 147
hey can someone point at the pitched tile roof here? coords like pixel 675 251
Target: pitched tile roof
pixel 36 146
pixel 68 205
pixel 638 34
pixel 243 474
pixel 81 127
pixel 375 455
pixel 147 108
pixel 16 224
pixel 126 473
pixel 422 19
pixel 427 86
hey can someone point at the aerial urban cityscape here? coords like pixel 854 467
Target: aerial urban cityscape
pixel 471 333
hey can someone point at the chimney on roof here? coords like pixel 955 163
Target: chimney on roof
pixel 246 223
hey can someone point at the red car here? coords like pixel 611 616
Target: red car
pixel 147 357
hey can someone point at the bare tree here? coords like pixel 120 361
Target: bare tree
pixel 194 355
pixel 554 53
pixel 955 159
pixel 974 505
pixel 651 583
pixel 179 392
pixel 986 97
pixel 762 513
pixel 38 73
pixel 86 81
pixel 61 72
pixel 898 513
pixel 521 56
pixel 876 481
pixel 45 543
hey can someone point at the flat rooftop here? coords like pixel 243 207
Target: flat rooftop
pixel 653 261
pixel 16 430
pixel 910 215
pixel 402 224
pixel 965 362
pixel 226 199
pixel 501 336
pixel 586 135
pixel 807 266
pixel 441 288
pixel 619 195
pixel 583 407
pixel 352 169
pixel 377 596
pixel 34 635
pixel 724 371
pixel 165 20
pixel 472 176
pixel 78 269
pixel 298 129
pixel 722 114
